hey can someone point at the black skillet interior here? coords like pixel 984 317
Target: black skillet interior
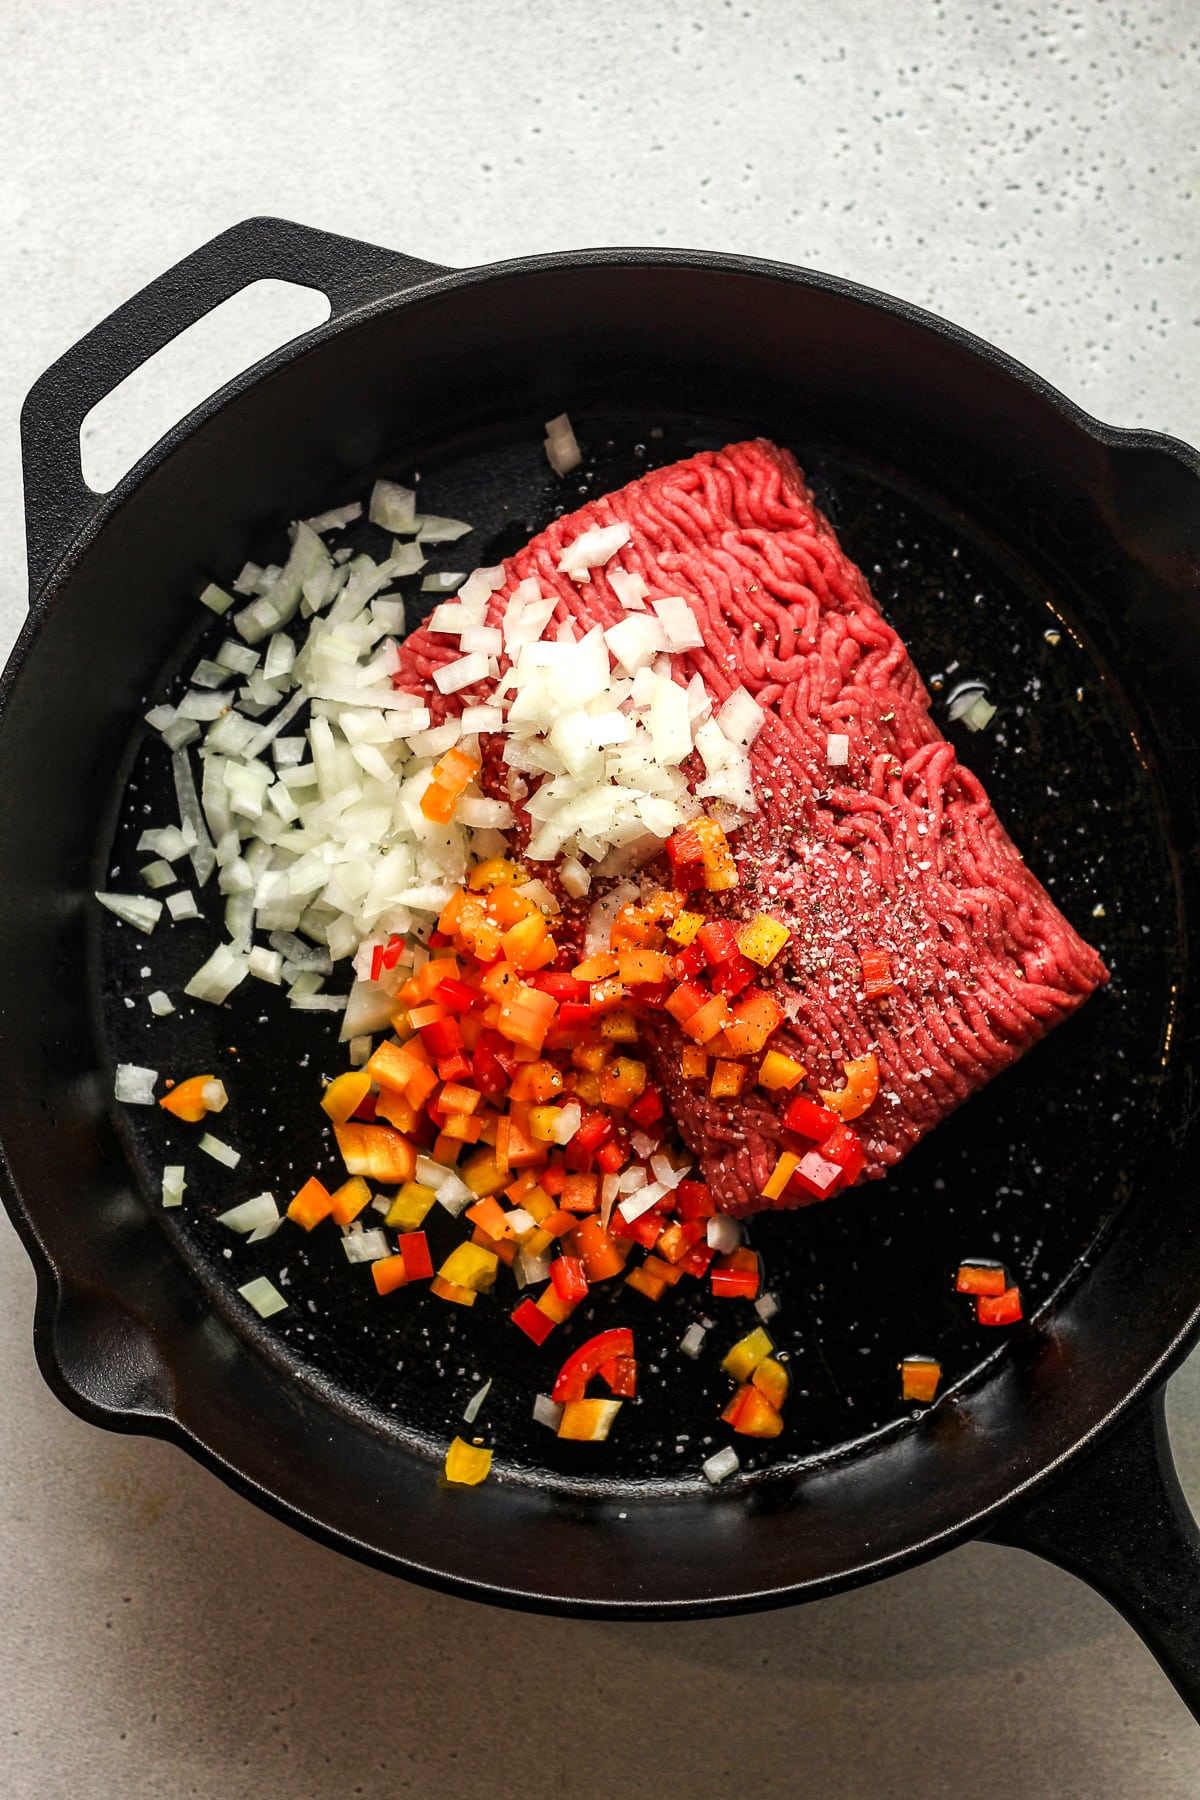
pixel 1030 1172
pixel 986 518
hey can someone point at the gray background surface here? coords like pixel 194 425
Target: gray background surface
pixel 1028 170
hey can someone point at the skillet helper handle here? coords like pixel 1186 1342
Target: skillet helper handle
pixel 58 502
pixel 1119 1519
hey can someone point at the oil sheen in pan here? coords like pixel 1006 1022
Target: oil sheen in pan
pixel 1031 1170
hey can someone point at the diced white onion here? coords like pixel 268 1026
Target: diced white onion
pixel 217 977
pixel 160 1004
pixel 721 1465
pixel 216 599
pixel 464 672
pixel 741 718
pixel 158 874
pixel 213 1096
pixel 366 1246
pixel 434 530
pixel 722 1234
pixel 692 1341
pixel 134 909
pixel 263 1296
pixel 183 906
pixel 837 749
pixel 471 1409
pixel 337 518
pixel 766 1306
pixel 392 506
pixel 548 1412
pixel 251 1214
pixel 220 1151
pixel 173 1184
pixel 134 1086
pixel 562 449
pixel 680 625
pixel 592 549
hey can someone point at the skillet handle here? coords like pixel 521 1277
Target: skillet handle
pixel 1118 1518
pixel 58 502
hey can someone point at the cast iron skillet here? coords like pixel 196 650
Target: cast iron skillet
pixel 988 512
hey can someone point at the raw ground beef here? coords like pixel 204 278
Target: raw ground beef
pixel 900 850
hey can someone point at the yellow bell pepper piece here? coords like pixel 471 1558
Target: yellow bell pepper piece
pixel 467 1464
pixel 542 1120
pixel 345 1094
pixel 762 939
pixel 683 931
pixel 747 1353
pixel 349 1200
pixel 470 1266
pixel 407 1211
pixel 780 1175
pixel 772 1381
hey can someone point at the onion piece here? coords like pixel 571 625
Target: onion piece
pixel 692 1341
pixel 220 1151
pixel 721 1465
pixel 216 978
pixel 547 1411
pixel 160 1004
pixel 366 1246
pixel 251 1214
pixel 173 1184
pixel 263 1296
pixel 722 1234
pixel 837 749
pixel 471 1409
pixel 434 530
pixel 134 909
pixel 394 507
pixel 561 446
pixel 766 1306
pixel 592 549
pixel 216 599
pixel 134 1086
pixel 182 906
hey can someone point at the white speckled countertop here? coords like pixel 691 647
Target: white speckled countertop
pixel 1029 170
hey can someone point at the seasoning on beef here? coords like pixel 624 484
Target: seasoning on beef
pixel 870 836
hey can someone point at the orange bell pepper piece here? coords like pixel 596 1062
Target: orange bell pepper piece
pixel 184 1099
pixel 862 1085
pixel 312 1204
pixel 377 1151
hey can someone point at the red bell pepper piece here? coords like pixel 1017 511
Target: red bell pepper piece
pixel 377 962
pixel 414 1248
pixel 690 962
pixel 733 975
pixel 533 1321
pixel 595 1130
pixel 442 1037
pixel 364 1112
pixel 573 1015
pixel 488 1073
pixel 644 1231
pixel 810 1118
pixel 621 1376
pixel 718 939
pixel 456 1067
pixel 732 1280
pixel 697 1260
pixel 647 1109
pixel 653 994
pixel 816 1175
pixel 455 994
pixel 568 1278
pixel 588 1360
pixel 391 951
pixel 693 1201
pixel 438 940
pixel 561 985
pixel 612 1157
pixel 844 1147
pixel 1000 1309
pixel 876 974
